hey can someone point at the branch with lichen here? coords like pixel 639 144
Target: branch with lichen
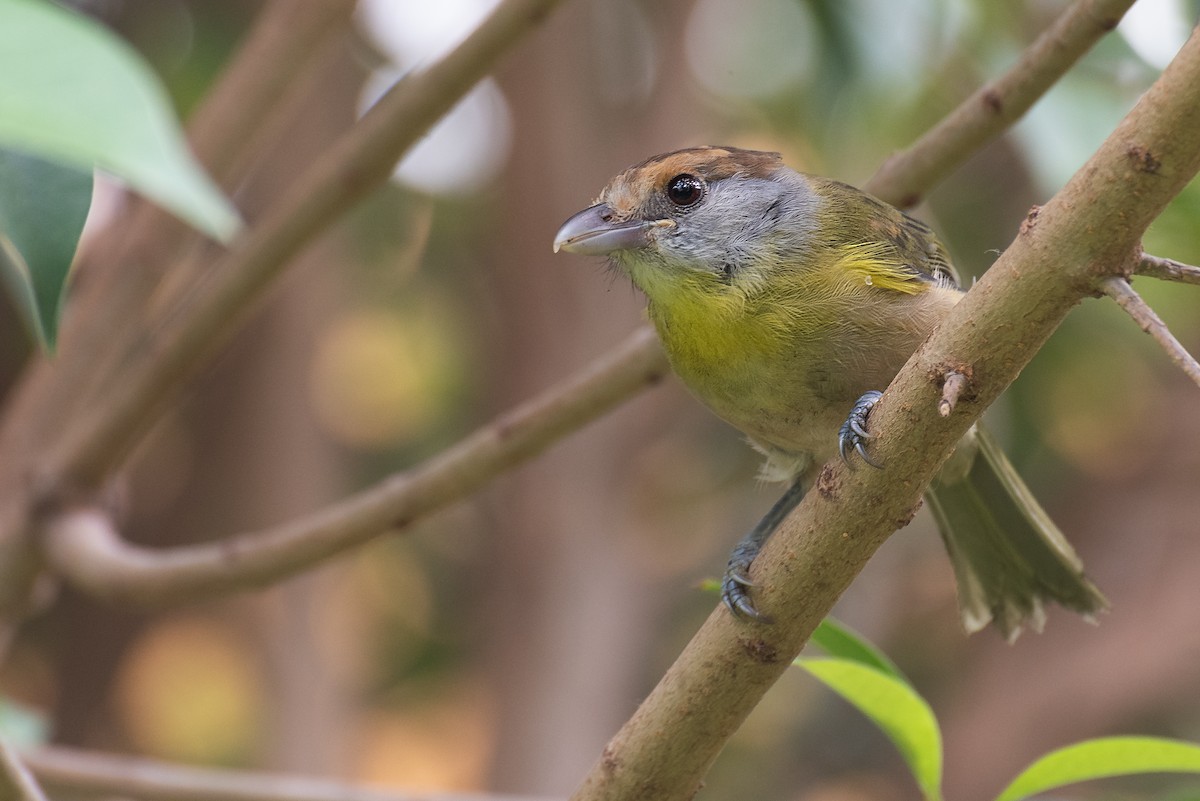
pixel 1088 233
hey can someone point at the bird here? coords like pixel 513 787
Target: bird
pixel 785 302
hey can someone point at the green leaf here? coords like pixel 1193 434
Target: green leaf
pixel 43 206
pixel 1103 758
pixel 836 639
pixel 895 708
pixel 72 92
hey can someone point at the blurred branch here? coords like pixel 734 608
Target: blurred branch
pixel 99 438
pixel 1167 269
pixel 1088 231
pixel 72 772
pixel 82 544
pixel 222 131
pixel 1118 288
pixel 285 37
pixel 16 783
pixel 75 458
pixel 907 176
pixel 242 118
pixel 120 271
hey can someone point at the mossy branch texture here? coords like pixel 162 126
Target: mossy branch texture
pixel 1089 231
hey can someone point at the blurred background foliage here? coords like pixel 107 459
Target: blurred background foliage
pixel 499 644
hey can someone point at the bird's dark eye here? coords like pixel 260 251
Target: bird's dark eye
pixel 685 190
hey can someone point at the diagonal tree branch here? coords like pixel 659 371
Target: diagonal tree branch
pixel 119 273
pixel 1089 231
pixel 79 458
pixel 122 269
pixel 907 176
pixel 287 33
pixel 16 782
pixel 82 545
pixel 1118 288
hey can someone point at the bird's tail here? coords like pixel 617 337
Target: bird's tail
pixel 1008 556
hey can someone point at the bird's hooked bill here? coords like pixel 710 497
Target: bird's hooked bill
pixel 595 232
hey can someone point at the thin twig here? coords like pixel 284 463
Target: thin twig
pixel 955 383
pixel 82 545
pixel 16 782
pixel 1117 288
pixel 72 772
pixel 100 438
pixel 1167 269
pixel 664 750
pixel 907 176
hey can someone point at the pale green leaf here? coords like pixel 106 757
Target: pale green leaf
pixel 72 92
pixel 43 206
pixel 1103 758
pixel 895 708
pixel 838 640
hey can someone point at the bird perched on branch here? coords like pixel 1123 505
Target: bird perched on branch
pixel 785 302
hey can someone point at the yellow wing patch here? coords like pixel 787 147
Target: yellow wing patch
pixel 875 264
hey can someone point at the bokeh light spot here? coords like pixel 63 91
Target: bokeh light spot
pixel 188 690
pixel 378 377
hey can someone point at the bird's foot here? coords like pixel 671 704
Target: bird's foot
pixel 735 586
pixel 853 435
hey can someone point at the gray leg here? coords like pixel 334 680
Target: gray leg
pixel 735 587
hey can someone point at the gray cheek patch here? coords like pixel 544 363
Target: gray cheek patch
pixel 746 220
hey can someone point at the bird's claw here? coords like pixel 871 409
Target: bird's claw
pixel 853 434
pixel 735 586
